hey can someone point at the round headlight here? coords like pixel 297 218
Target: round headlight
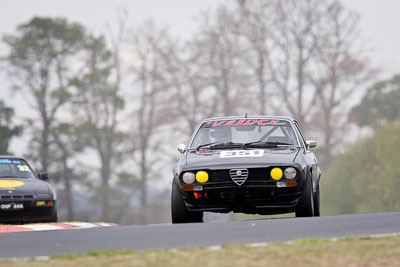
pixel 202 176
pixel 290 173
pixel 188 177
pixel 276 173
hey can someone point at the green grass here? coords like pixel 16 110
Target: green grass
pixel 354 251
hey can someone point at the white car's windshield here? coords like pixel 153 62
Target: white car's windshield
pixel 245 131
pixel 15 168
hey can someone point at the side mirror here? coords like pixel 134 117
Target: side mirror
pixel 311 144
pixel 43 176
pixel 181 148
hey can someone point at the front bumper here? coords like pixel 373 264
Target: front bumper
pixel 259 194
pixel 246 199
pixel 29 213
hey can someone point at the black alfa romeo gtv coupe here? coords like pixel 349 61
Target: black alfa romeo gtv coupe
pixel 254 165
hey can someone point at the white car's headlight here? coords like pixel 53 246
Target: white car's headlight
pixel 188 177
pixel 290 173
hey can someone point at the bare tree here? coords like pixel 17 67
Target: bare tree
pixel 309 52
pixel 295 39
pixel 153 101
pixel 97 107
pixel 182 75
pixel 341 69
pixel 257 21
pixel 218 55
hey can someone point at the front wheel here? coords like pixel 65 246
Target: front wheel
pixel 305 207
pixel 53 217
pixel 179 212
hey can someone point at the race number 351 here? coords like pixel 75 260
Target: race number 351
pixel 241 153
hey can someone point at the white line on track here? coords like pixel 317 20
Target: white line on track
pixel 85 225
pixel 43 227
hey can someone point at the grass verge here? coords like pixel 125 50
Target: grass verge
pixel 382 251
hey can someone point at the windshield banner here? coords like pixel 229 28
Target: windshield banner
pixel 245 122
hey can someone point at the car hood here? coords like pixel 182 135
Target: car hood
pixel 17 186
pixel 217 159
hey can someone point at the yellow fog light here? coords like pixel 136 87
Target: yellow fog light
pixel 41 203
pixel 202 176
pixel 276 173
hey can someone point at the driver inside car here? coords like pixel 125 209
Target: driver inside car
pixel 221 134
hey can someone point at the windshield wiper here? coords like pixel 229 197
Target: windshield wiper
pixel 219 144
pixel 9 176
pixel 268 144
pixel 205 145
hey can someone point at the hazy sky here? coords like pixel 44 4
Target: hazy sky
pixel 95 13
pixel 378 19
pixel 379 22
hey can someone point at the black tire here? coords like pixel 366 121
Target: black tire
pixel 179 212
pixel 305 207
pixel 54 217
pixel 316 202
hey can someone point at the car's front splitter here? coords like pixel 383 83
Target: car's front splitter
pixel 247 200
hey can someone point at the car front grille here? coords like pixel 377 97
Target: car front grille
pixel 254 174
pixel 16 196
pixel 239 176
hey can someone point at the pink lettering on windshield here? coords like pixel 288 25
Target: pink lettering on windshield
pixel 246 122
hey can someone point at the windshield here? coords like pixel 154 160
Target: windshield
pixel 245 131
pixel 15 168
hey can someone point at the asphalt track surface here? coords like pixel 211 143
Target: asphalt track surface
pixel 143 237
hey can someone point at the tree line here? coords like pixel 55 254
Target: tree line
pixel 107 108
pixel 365 177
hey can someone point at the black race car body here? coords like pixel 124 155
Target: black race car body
pixel 263 166
pixel 24 196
